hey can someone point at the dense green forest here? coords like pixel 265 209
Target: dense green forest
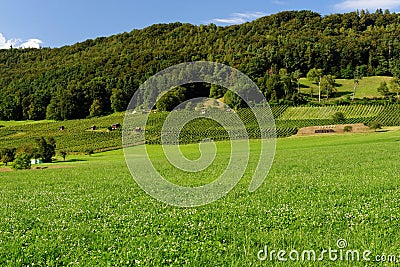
pixel 97 77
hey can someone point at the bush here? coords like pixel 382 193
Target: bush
pixel 63 153
pixel 22 161
pixel 348 129
pixel 375 125
pixel 7 155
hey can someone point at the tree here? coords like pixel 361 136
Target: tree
pixel 233 100
pixel 217 91
pixel 357 78
pixel 383 89
pixel 315 76
pixel 46 149
pixel 96 109
pixel 63 153
pixel 328 85
pixel 338 118
pixel 296 76
pixel 7 155
pixel 22 161
pixel 395 86
pixel 32 152
pixel 169 100
pixel 119 101
pixel 286 81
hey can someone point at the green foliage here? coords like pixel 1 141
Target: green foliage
pixel 171 99
pixel 395 86
pixel 22 161
pixel 119 101
pixel 347 128
pixel 64 82
pixel 46 149
pixel 375 125
pixel 63 153
pixel 314 75
pixel 96 109
pixel 217 91
pixel 338 118
pixel 7 154
pixel 328 85
pixel 383 89
pixel 233 100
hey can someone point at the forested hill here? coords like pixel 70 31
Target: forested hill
pixel 98 76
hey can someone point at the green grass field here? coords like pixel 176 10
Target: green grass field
pixel 367 87
pixel 89 211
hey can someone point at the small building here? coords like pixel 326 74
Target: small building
pixel 61 128
pixel 93 127
pixel 36 161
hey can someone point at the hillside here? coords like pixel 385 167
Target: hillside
pixel 367 87
pixel 77 135
pixel 98 77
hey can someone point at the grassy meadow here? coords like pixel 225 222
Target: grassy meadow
pixel 88 211
pixel 367 87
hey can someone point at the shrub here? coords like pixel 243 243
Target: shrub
pixel 22 161
pixel 63 153
pixel 7 155
pixel 348 128
pixel 375 125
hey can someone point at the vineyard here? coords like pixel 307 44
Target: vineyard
pixel 77 135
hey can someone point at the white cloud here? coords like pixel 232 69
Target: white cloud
pixel 238 18
pixel 18 43
pixel 6 44
pixel 371 5
pixel 32 43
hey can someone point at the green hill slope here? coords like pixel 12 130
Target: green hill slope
pixel 77 136
pixel 99 76
pixel 367 87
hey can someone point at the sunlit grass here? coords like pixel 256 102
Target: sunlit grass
pixel 320 189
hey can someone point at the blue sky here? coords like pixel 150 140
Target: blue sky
pixel 54 23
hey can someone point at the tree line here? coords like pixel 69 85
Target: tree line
pixel 44 150
pixel 98 77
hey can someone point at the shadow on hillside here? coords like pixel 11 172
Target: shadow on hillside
pixel 338 85
pixel 304 85
pixel 340 94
